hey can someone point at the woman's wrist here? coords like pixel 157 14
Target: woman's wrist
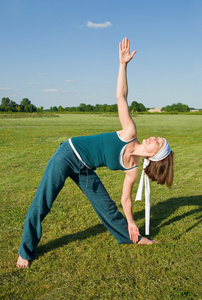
pixel 123 63
pixel 131 222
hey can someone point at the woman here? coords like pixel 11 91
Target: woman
pixel 78 157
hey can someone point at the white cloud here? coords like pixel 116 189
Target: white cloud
pixel 5 89
pixel 98 25
pixel 51 91
pixel 69 81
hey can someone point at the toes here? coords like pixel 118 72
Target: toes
pixel 22 263
pixel 155 242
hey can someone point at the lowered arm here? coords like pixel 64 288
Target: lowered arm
pixel 126 201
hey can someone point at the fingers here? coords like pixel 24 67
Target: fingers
pixel 125 43
pixel 134 238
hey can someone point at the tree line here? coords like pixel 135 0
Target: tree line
pixel 134 107
pixel 179 107
pixel 25 105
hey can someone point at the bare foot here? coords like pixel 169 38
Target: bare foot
pixel 146 241
pixel 22 263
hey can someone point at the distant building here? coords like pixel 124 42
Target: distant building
pixel 154 110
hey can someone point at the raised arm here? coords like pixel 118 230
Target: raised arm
pixel 129 129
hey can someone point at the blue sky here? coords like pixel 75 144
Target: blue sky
pixel 61 52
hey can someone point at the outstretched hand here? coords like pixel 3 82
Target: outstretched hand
pixel 124 51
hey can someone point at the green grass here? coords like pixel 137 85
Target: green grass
pixel 77 257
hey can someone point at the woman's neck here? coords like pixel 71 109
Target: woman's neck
pixel 138 150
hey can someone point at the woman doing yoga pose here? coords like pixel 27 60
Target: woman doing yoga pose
pixel 78 158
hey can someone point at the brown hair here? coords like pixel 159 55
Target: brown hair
pixel 161 171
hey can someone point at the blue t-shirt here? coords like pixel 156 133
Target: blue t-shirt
pixel 101 150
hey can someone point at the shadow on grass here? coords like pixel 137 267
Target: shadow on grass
pixel 160 217
pixel 64 240
pixel 162 211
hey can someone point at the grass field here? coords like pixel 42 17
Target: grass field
pixel 77 257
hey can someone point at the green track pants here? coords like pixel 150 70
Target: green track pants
pixel 63 164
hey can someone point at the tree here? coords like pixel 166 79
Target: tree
pixel 73 108
pixel 82 107
pixel 25 105
pixel 25 102
pixel 179 107
pixel 135 106
pixel 112 108
pixel 55 108
pixel 103 108
pixel 8 105
pixel 97 107
pixel 89 107
pixel 13 103
pixel 28 108
pixel 40 109
pixel 5 102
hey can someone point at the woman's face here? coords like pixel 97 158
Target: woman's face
pixel 153 145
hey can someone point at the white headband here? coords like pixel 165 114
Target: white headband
pixel 163 153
